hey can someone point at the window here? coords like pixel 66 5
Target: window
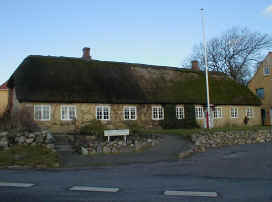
pixel 42 112
pixel 234 112
pixel 260 93
pixel 129 113
pixel 180 112
pixel 266 70
pixel 199 112
pixel 218 113
pixel 249 112
pixel 68 112
pixel 103 113
pixel 157 113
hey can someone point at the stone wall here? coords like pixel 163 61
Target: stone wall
pixel 205 139
pixel 11 138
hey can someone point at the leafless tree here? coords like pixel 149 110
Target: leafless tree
pixel 235 52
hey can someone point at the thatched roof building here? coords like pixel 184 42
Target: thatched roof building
pixel 75 80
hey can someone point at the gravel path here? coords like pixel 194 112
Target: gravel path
pixel 167 150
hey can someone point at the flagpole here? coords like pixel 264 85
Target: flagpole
pixel 206 65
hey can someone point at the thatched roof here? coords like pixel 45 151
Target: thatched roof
pixel 74 80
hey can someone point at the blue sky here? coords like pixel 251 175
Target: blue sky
pixel 155 32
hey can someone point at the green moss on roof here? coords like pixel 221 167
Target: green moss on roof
pixel 63 79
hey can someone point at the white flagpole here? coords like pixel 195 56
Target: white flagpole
pixel 206 65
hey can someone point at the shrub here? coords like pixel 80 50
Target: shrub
pixel 22 119
pixel 93 127
pixel 171 122
pixel 134 127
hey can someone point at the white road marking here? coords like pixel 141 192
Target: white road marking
pixel 15 184
pixel 97 189
pixel 190 193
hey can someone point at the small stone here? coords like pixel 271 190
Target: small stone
pixel 99 148
pixel 49 138
pixel 4 142
pixel 5 133
pixel 50 146
pixel 20 139
pixel 114 150
pixel 29 140
pixel 84 151
pixel 39 139
pixel 106 149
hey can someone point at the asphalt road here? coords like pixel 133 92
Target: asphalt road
pixel 238 173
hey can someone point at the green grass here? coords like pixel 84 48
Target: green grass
pixel 30 156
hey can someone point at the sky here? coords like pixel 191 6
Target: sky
pixel 157 32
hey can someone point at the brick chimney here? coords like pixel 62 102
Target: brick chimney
pixel 86 54
pixel 195 65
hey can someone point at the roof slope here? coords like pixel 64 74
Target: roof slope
pixel 4 86
pixel 63 79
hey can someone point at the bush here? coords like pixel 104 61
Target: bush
pixel 134 127
pixel 171 122
pixel 20 120
pixel 93 127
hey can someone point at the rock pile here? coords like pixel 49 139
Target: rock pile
pixel 91 145
pixel 10 138
pixel 204 140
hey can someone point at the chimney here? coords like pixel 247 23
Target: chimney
pixel 86 54
pixel 195 65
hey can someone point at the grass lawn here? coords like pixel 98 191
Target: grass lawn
pixel 30 156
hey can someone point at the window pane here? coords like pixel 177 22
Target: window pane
pixel 260 93
pixel 63 112
pixel 133 113
pixel 106 113
pixel 99 113
pixel 45 114
pixel 126 113
pixel 72 113
pixel 38 113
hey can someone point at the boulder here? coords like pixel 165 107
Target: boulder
pixel 29 140
pixel 50 146
pixel 4 142
pixel 5 133
pixel 20 139
pixel 49 138
pixel 84 151
pixel 106 149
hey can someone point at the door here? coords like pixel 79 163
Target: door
pixel 263 116
pixel 270 116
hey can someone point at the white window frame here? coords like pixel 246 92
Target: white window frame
pixel 248 111
pixel 42 108
pixel 199 112
pixel 217 115
pixel 266 70
pixel 180 112
pixel 130 110
pixel 232 112
pixel 103 115
pixel 69 108
pixel 157 113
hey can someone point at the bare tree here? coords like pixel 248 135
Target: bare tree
pixel 235 52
